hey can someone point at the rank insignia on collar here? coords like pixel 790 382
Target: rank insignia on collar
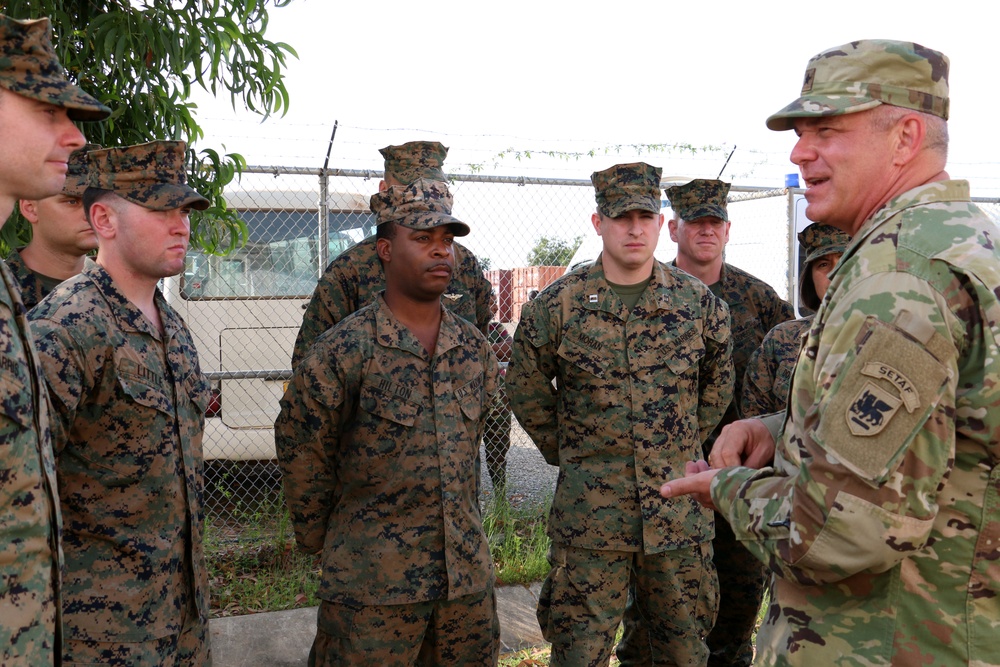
pixel 453 297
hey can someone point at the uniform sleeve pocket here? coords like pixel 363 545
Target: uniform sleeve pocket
pixel 884 393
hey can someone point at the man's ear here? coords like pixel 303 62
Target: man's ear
pixel 383 247
pixel 911 132
pixel 103 219
pixel 29 210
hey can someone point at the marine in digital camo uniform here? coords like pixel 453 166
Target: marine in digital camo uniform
pixel 61 236
pixel 378 442
pixel 700 227
pixel 880 515
pixel 640 352
pixel 354 278
pixel 34 145
pixel 769 372
pixel 129 401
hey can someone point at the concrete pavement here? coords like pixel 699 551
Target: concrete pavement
pixel 283 638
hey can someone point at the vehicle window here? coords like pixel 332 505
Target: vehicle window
pixel 281 258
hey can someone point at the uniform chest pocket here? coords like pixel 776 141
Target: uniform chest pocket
pixel 146 395
pixel 471 398
pixel 681 349
pixel 388 400
pixel 584 355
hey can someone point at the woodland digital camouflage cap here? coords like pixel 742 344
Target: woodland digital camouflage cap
pixel 627 187
pixel 862 75
pixel 415 159
pixel 423 204
pixel 151 175
pixel 818 240
pixel 77 173
pixel 29 67
pixel 700 198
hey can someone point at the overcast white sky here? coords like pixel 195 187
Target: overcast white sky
pixel 575 76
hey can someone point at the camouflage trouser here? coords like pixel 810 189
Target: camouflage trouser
pixel 496 439
pixel 189 648
pixel 464 631
pixel 583 598
pixel 741 587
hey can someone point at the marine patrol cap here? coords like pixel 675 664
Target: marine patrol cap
pixel 151 175
pixel 627 187
pixel 700 198
pixel 29 67
pixel 862 75
pixel 423 204
pixel 818 240
pixel 77 173
pixel 414 160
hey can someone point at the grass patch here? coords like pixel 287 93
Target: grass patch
pixel 253 563
pixel 517 539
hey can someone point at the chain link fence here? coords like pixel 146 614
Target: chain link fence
pixel 245 309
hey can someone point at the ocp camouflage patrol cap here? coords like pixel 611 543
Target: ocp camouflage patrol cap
pixel 151 175
pixel 415 159
pixel 818 240
pixel 627 187
pixel 700 198
pixel 862 75
pixel 29 67
pixel 423 204
pixel 77 173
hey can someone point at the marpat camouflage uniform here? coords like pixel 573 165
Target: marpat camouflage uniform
pixel 34 286
pixel 754 308
pixel 378 444
pixel 636 394
pixel 355 277
pixel 879 517
pixel 30 555
pixel 769 373
pixel 128 413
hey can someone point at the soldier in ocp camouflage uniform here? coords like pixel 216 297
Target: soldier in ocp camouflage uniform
pixel 37 136
pixel 61 236
pixel 880 516
pixel 378 442
pixel 700 227
pixel 640 352
pixel 352 280
pixel 129 402
pixel 769 371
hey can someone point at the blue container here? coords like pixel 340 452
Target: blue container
pixel 791 180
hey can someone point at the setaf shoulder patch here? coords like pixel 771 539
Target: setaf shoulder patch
pixel 883 394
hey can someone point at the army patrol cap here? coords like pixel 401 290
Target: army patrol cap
pixel 862 75
pixel 700 198
pixel 29 67
pixel 423 204
pixel 818 240
pixel 77 173
pixel 627 187
pixel 414 160
pixel 151 175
